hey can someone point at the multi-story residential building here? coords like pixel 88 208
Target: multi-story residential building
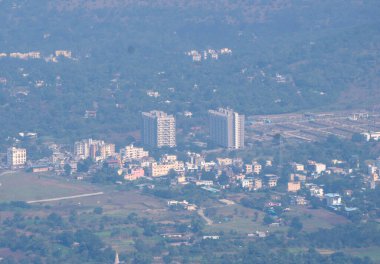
pixel 252 184
pixel 247 183
pixel 133 153
pixel 16 157
pixel 94 149
pixel 82 149
pixel 226 128
pixel 371 136
pixel 134 174
pixel 257 168
pixel 297 166
pixel 294 186
pixel 224 161
pixel 333 199
pixel 316 191
pixel 257 184
pixel 158 129
pixel 318 168
pixel 107 150
pixel 163 169
pixel 271 180
pixel 248 168
pixel 166 164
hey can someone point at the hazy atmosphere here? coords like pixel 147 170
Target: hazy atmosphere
pixel 189 131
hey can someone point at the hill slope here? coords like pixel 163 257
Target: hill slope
pixel 286 56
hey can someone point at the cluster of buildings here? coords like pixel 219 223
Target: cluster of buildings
pixel 25 56
pixel 198 56
pixel 368 136
pixel 97 150
pixel 158 131
pixel 37 55
pixel 226 129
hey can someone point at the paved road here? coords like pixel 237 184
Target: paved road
pixel 65 198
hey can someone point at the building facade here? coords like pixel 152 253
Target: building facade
pixel 16 157
pixel 158 129
pixel 226 128
pixel 94 149
pixel 133 153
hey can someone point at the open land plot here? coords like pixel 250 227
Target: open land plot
pixel 22 186
pixel 313 219
pixel 295 126
pixel 237 218
pixel 371 252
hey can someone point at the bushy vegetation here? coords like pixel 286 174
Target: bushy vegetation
pixel 124 51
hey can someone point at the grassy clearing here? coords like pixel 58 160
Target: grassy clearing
pixel 371 252
pixel 314 219
pixel 22 186
pixel 239 219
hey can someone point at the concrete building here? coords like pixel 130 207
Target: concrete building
pixel 248 168
pixel 133 153
pixel 371 136
pixel 316 191
pixel 316 167
pixel 107 150
pixel 271 180
pixel 166 164
pixel 94 149
pixel 16 157
pixel 297 166
pixel 333 199
pixel 134 174
pixel 247 183
pixel 257 168
pixel 257 184
pixel 226 128
pixel 294 186
pixel 158 129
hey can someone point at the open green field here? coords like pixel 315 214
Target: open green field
pixel 371 252
pixel 22 186
pixel 313 219
pixel 237 218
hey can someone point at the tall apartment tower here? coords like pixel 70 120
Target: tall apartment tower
pixel 227 128
pixel 16 157
pixel 158 129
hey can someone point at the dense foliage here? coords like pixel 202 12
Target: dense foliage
pixel 323 49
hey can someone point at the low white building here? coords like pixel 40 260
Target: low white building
pixel 333 199
pixel 371 136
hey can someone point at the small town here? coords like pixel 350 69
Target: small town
pixel 189 131
pixel 304 184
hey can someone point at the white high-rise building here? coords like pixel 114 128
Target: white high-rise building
pixel 158 129
pixel 16 157
pixel 227 128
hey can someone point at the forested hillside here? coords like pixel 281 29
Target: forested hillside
pixel 286 55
